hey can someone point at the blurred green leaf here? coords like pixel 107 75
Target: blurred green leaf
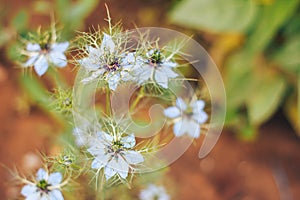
pixel 288 56
pixel 266 98
pixel 271 18
pixel 215 15
pixel 20 21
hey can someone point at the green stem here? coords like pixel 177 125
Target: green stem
pixel 137 100
pixel 57 78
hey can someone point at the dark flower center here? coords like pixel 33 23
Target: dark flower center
pixel 45 48
pixel 43 185
pixel 189 112
pixel 114 66
pixel 156 58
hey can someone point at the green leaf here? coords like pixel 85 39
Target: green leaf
pixel 288 56
pixel 215 15
pixel 20 21
pixel 266 98
pixel 271 18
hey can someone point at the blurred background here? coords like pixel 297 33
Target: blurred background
pixel 255 44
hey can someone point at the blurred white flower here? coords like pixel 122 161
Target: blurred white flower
pixel 41 56
pixel 155 68
pixel 115 155
pixel 46 187
pixel 188 117
pixel 153 192
pixel 106 61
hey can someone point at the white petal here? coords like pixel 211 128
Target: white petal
pixel 143 73
pixel 58 59
pixel 109 172
pixel 55 178
pixel 31 60
pixel 161 79
pixel 181 104
pixel 129 58
pixel 200 117
pixel 172 112
pixel 33 47
pixel 41 65
pixel 119 165
pixel 60 47
pixel 128 141
pixel 133 157
pixel 41 175
pixel 168 72
pixel 113 81
pixel 34 196
pixel 56 195
pixel 169 64
pixel 193 129
pixel 198 105
pixel 107 137
pixel 45 197
pixel 96 164
pixel 94 75
pixel 107 43
pixel 179 129
pixel 28 190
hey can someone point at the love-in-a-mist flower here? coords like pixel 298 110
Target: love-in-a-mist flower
pixel 188 118
pixel 115 154
pixel 155 68
pixel 41 56
pixel 46 187
pixel 108 63
pixel 153 192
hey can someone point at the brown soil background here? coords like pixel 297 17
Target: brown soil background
pixel 265 169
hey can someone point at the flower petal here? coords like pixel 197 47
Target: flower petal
pixel 109 172
pixel 198 105
pixel 58 59
pixel 179 128
pixel 172 112
pixel 96 164
pixel 27 190
pixel 41 175
pixel 55 178
pixel 161 78
pixel 193 129
pixel 169 64
pixel 41 65
pixel 113 81
pixel 56 195
pixel 200 117
pixel 107 43
pixel 94 75
pixel 60 47
pixel 133 157
pixel 31 60
pixel 181 104
pixel 128 141
pixel 33 47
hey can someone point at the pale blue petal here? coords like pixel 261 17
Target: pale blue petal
pixel 41 65
pixel 121 167
pixel 168 72
pixel 143 73
pixel 109 172
pixel 41 175
pixel 193 129
pixel 96 164
pixel 128 141
pixel 113 81
pixel 34 196
pixel 198 105
pixel 133 157
pixel 161 78
pixel 45 197
pixel 108 137
pixel 31 60
pixel 107 43
pixel 179 129
pixel 94 76
pixel 56 195
pixel 169 64
pixel 129 58
pixel 60 47
pixel 181 104
pixel 33 47
pixel 200 117
pixel 55 178
pixel 58 59
pixel 172 112
pixel 28 190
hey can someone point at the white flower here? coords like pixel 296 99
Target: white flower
pixel 115 155
pixel 42 56
pixel 47 187
pixel 107 62
pixel 153 192
pixel 189 117
pixel 155 68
